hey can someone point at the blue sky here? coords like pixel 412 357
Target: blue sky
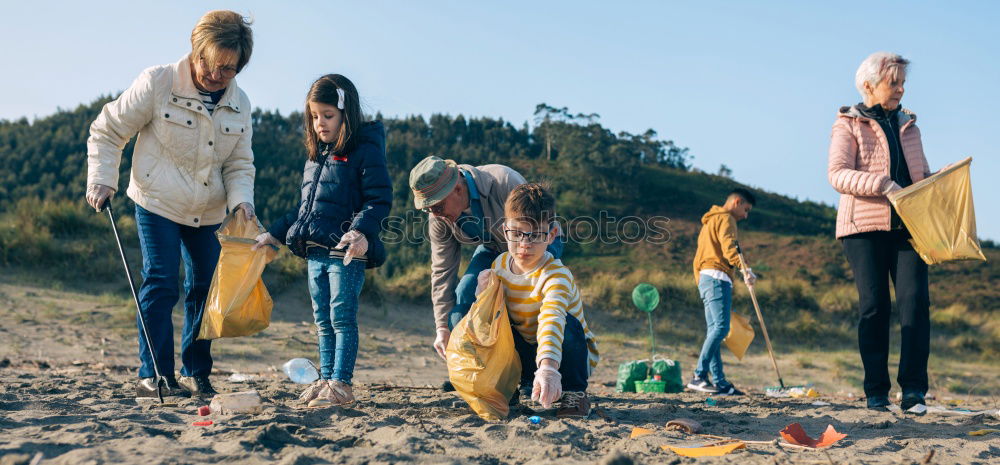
pixel 752 85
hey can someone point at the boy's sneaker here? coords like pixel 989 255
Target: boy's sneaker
pixel 729 390
pixel 575 404
pixel 702 385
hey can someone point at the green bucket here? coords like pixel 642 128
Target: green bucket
pixel 650 385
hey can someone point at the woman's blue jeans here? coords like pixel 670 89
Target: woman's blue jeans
pixel 718 298
pixel 335 289
pixel 164 245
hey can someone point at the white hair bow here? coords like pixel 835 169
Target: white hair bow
pixel 340 98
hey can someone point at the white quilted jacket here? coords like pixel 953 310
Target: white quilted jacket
pixel 188 165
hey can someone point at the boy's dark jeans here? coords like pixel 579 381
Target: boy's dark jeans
pixel 875 257
pixel 575 357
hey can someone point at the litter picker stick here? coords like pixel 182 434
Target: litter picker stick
pixel 760 317
pixel 142 321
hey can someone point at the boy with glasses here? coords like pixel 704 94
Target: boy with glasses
pixel 556 347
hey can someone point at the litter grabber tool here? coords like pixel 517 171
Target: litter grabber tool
pixel 160 380
pixel 760 317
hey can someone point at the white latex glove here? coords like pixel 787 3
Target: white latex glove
pixel 247 208
pixel 263 239
pixel 949 165
pixel 356 245
pixel 547 388
pixel 97 194
pixel 483 280
pixel 441 341
pixel 749 277
pixel 893 187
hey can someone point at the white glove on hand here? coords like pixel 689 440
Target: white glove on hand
pixel 356 245
pixel 547 388
pixel 247 208
pixel 441 341
pixel 97 194
pixel 749 277
pixel 892 187
pixel 263 239
pixel 483 280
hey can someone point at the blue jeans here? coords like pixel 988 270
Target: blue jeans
pixel 164 245
pixel 718 298
pixel 575 364
pixel 482 259
pixel 334 289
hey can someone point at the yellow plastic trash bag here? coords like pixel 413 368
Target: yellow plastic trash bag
pixel 482 362
pixel 740 335
pixel 939 214
pixel 238 303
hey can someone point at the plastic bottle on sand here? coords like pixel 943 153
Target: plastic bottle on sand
pixel 300 370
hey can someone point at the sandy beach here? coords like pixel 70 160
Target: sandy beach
pixel 67 374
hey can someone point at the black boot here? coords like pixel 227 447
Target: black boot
pixel 880 403
pixel 911 399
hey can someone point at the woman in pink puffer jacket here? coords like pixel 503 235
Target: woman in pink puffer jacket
pixel 875 148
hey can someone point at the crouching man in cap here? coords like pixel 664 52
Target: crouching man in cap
pixel 466 206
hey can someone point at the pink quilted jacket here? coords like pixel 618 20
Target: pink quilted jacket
pixel 859 168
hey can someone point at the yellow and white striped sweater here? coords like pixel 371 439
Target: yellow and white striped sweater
pixel 538 302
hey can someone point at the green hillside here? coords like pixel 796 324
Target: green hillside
pixel 48 233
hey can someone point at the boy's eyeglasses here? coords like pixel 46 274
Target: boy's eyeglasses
pixel 224 71
pixel 533 237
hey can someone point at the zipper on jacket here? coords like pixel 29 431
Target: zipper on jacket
pixel 899 147
pixel 304 216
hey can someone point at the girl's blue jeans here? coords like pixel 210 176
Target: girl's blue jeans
pixel 334 289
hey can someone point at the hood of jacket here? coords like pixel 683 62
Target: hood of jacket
pixel 863 112
pixel 372 132
pixel 713 212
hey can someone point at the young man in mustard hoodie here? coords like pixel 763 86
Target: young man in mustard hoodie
pixel 715 265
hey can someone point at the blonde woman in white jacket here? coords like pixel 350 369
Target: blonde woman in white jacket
pixel 192 161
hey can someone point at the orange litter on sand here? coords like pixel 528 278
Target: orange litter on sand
pixel 710 451
pixel 794 434
pixel 637 432
pixel 203 423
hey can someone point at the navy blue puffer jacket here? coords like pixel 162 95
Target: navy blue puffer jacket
pixel 338 196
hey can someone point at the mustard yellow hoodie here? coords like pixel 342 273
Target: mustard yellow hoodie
pixel 717 244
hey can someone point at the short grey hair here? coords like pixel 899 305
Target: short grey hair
pixel 877 67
